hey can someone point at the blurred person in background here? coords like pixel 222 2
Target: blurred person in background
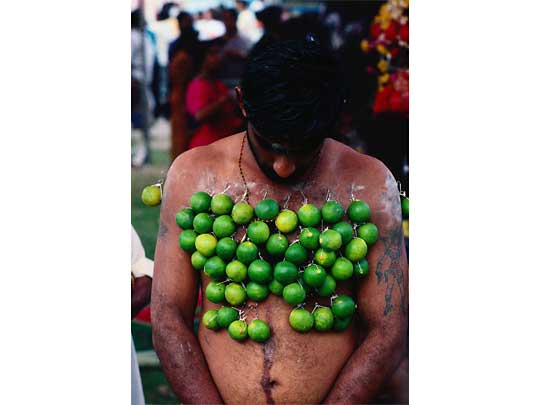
pixel 270 18
pixel 209 26
pixel 247 23
pixel 235 50
pixel 211 106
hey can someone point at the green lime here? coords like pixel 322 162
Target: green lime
pixel 200 202
pixel 307 288
pixel 151 196
pixel 286 221
pixel 206 244
pixel 405 207
pixel 342 269
pixel 296 254
pixel 356 249
pixel 323 319
pixel 330 240
pixel 209 319
pixel 238 330
pixel 221 204
pixel 276 245
pixel 226 248
pixel 215 292
pixel 226 315
pixel 285 272
pixel 186 240
pixel 184 218
pixel 294 294
pixel 325 258
pixel 258 232
pixel 309 215
pixel 328 287
pixel 257 292
pixel 332 212
pixel 276 287
pixel 267 209
pixel 260 271
pixel 202 223
pixel 369 233
pixel 235 294
pixel 223 226
pixel 236 271
pixel 361 268
pixel 301 320
pixel 314 275
pixel 340 324
pixel 343 306
pixel 345 230
pixel 258 330
pixel 247 252
pixel 215 267
pixel 358 211
pixel 309 238
pixel 242 213
pixel 198 260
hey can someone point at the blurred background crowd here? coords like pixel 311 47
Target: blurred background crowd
pixel 188 55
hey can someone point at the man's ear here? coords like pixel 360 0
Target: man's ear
pixel 240 99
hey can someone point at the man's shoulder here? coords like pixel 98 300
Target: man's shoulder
pixel 350 159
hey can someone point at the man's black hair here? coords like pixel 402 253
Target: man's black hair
pixel 292 91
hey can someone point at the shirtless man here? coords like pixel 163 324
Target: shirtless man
pixel 289 94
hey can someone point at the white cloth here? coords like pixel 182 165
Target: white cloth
pixel 248 26
pixel 209 29
pixel 137 395
pixel 140 264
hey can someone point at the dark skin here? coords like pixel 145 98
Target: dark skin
pixel 140 294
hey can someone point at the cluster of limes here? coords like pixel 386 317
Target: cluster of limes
pixel 265 262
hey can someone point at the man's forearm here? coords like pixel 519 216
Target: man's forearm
pixel 367 370
pixel 182 360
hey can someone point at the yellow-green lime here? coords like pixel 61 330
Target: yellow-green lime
pixel 276 287
pixel 258 232
pixel 267 209
pixel 258 330
pixel 309 215
pixel 358 212
pixel 186 240
pixel 202 223
pixel 296 254
pixel 330 240
pixel 332 212
pixel 345 230
pixel 200 202
pixel 184 218
pixel 294 294
pixel 309 238
pixel 226 315
pixel 221 204
pixel 151 195
pixel 369 233
pixel 226 248
pixel 325 258
pixel 236 271
pixel 215 292
pixel 323 319
pixel 260 271
pixel 342 269
pixel 285 272
pixel 276 245
pixel 209 319
pixel 257 292
pixel 314 275
pixel 361 268
pixel 301 320
pixel 198 260
pixel 405 207
pixel 286 221
pixel 356 249
pixel 340 324
pixel 215 267
pixel 328 287
pixel 223 226
pixel 242 213
pixel 247 252
pixel 206 244
pixel 235 294
pixel 343 306
pixel 238 330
